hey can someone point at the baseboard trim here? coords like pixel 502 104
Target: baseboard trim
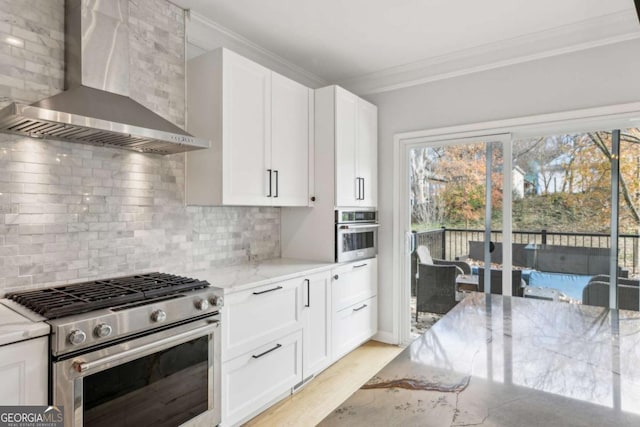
pixel 385 337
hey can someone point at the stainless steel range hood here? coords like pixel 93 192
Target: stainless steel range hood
pixel 95 108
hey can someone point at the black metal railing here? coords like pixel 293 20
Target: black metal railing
pixel 453 243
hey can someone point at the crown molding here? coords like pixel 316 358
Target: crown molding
pixel 605 30
pixel 205 35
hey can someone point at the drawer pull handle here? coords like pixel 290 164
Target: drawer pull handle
pixel 267 352
pixel 268 290
pixel 360 308
pixel 360 266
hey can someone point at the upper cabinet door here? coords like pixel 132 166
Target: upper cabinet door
pixel 246 131
pixel 348 185
pixel 367 153
pixel 289 141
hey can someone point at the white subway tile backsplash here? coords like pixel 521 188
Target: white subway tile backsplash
pixel 71 212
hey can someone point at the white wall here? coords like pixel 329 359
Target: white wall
pixel 204 35
pixel 597 77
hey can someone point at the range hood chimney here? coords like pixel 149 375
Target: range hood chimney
pixel 95 107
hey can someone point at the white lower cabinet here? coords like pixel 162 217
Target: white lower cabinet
pixel 316 315
pixel 354 325
pixel 260 315
pixel 24 372
pixel 354 282
pixel 258 378
pixel 277 336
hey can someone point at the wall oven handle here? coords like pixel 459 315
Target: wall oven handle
pixel 258 356
pixel 268 290
pixel 82 367
pixel 360 265
pixel 357 226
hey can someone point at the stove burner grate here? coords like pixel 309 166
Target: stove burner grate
pixel 78 298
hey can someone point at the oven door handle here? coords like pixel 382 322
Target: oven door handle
pixel 358 226
pixel 82 367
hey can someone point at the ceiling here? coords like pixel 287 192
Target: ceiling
pixel 339 40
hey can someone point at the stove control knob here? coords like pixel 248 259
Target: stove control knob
pixel 77 337
pixel 201 304
pixel 102 330
pixel 217 301
pixel 158 316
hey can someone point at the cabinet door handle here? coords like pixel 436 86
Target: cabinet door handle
pixel 336 277
pixel 258 356
pixel 269 172
pixel 362 189
pixel 360 266
pixel 360 308
pixel 357 188
pixel 308 292
pixel 268 290
pixel 277 185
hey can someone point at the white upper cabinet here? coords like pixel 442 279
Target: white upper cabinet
pixel 367 153
pixel 289 141
pixel 258 124
pixel 246 131
pixel 356 146
pixel 347 183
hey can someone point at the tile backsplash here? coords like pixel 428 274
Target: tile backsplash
pixel 70 212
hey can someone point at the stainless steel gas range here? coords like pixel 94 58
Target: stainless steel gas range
pixel 140 350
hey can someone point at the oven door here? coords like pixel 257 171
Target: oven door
pixel 166 378
pixel 356 241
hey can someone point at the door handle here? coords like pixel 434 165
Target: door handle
pixel 269 172
pixel 308 292
pixel 277 185
pixel 360 266
pixel 362 189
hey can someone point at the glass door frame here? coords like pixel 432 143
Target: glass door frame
pixel 504 139
pixel 620 116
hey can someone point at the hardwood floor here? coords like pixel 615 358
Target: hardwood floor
pixel 329 389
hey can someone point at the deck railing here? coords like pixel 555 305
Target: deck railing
pixel 453 243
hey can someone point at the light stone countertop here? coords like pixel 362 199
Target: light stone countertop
pixel 240 277
pixel 506 361
pixel 15 327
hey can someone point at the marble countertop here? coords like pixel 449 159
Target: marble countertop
pixel 15 327
pixel 246 276
pixel 502 361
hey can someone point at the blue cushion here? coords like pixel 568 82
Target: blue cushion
pixel 569 284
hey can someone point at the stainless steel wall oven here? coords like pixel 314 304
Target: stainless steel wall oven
pixel 356 234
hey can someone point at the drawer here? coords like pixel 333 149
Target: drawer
pixel 257 378
pixel 260 315
pixel 355 282
pixel 354 325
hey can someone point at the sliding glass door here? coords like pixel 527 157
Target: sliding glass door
pixel 456 201
pixel 575 217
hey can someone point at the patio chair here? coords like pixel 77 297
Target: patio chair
pixel 597 293
pixel 425 258
pixel 436 288
pixel 496 282
pixel 621 280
